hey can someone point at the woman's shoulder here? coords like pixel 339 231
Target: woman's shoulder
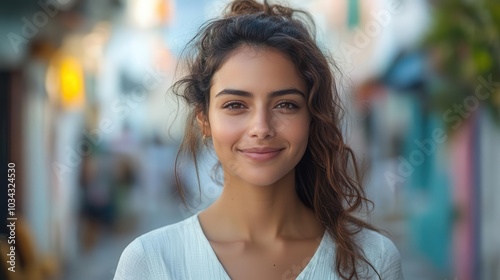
pixel 381 252
pixel 171 234
pixel 373 241
pixel 377 248
pixel 155 250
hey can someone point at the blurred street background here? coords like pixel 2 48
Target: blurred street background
pixel 94 131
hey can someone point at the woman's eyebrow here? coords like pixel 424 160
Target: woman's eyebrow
pixel 271 94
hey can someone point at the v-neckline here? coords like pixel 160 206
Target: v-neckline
pixel 213 255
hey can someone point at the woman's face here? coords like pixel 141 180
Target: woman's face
pixel 258 116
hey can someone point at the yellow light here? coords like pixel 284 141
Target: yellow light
pixel 72 89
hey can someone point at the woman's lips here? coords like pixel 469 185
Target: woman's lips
pixel 261 154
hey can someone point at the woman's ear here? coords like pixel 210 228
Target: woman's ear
pixel 203 124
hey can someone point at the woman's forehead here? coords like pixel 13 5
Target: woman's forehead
pixel 250 66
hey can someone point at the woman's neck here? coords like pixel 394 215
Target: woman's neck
pixel 261 214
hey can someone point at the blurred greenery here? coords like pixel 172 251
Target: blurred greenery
pixel 465 45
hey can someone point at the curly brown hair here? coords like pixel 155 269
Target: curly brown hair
pixel 327 177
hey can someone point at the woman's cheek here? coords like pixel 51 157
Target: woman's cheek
pixel 227 126
pixel 282 122
pixel 227 133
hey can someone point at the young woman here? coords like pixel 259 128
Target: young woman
pixel 263 96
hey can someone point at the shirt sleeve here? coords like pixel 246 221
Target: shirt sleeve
pixel 133 263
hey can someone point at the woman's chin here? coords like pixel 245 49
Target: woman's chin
pixel 262 178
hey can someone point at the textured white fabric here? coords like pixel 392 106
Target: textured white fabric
pixel 182 251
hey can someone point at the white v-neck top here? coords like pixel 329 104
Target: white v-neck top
pixel 181 251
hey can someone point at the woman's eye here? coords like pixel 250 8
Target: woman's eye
pixel 287 106
pixel 233 106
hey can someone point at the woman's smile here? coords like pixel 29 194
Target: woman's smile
pixel 261 154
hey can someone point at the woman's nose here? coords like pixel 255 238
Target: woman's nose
pixel 261 125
